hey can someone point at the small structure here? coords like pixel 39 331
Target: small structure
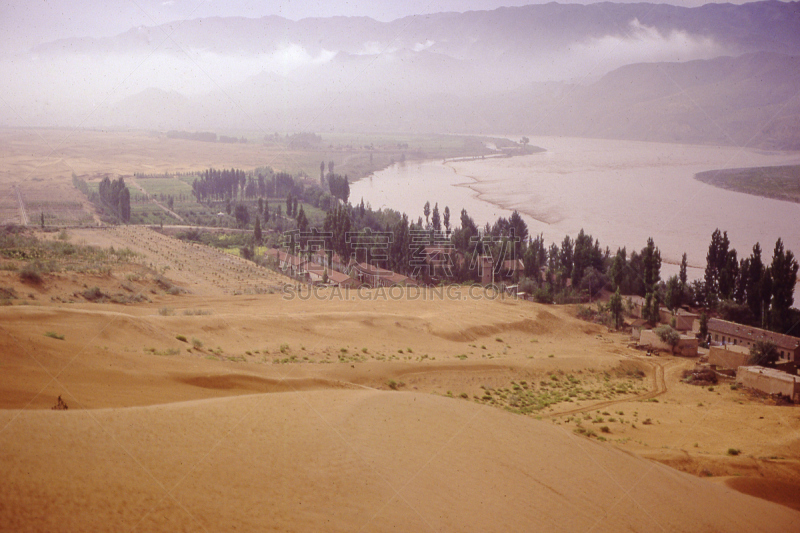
pixel 684 320
pixel 769 381
pixel 316 275
pixel 636 305
pixel 724 332
pixel 687 344
pixel 376 276
pixel 291 265
pixel 728 357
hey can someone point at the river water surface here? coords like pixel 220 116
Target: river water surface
pixel 621 192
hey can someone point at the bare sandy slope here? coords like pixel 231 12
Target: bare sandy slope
pixel 343 461
pixel 164 435
pixel 216 410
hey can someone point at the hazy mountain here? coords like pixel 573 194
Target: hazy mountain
pixel 715 73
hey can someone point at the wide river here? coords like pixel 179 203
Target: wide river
pixel 621 192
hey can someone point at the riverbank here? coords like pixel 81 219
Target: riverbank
pixel 778 182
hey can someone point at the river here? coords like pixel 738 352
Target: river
pixel 621 192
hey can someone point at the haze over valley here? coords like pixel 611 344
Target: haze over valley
pixel 719 73
pixel 450 265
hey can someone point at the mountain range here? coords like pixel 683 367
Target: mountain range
pixel 719 73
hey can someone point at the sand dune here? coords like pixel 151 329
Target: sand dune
pixel 343 461
pixel 265 413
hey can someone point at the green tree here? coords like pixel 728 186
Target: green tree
pixel 446 220
pixel 672 297
pixel 615 307
pixel 683 276
pixel 436 221
pixel 426 210
pixel 784 277
pixel 764 353
pixel 668 336
pixel 302 221
pixel 257 231
pixel 703 327
pixel 242 215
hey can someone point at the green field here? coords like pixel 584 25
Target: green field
pixel 781 183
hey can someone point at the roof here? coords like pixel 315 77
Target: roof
pixel 284 257
pixel 333 275
pixel 786 342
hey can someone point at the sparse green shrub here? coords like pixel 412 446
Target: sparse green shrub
pixel 197 343
pixel 93 294
pixel 181 338
pixel 166 311
pixel 31 273
pixel 54 335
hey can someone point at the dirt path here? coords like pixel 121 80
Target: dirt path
pixel 23 215
pixel 170 212
pixel 659 388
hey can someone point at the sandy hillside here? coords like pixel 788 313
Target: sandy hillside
pixel 197 404
pixel 343 461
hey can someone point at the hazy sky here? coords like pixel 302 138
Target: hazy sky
pixel 26 23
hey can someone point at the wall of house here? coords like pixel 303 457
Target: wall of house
pixel 686 347
pixel 764 381
pixel 728 357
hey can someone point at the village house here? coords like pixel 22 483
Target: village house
pixel 728 357
pixel 684 320
pixel 290 264
pixel 377 277
pixel 316 274
pixel 330 260
pixel 511 269
pixel 769 381
pixel 723 332
pixel 636 304
pixel 687 345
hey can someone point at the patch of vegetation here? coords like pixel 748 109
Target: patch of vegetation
pixel 93 294
pixel 31 273
pixel 528 398
pixel 181 338
pixel 54 335
pixel 168 351
pixel 395 385
pixel 780 182
pixel 734 451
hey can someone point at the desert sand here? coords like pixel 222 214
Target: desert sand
pixel 209 399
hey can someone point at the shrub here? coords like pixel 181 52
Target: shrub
pixel 54 335
pixel 764 353
pixel 668 336
pixel 181 338
pixel 93 294
pixel 31 274
pixel 197 343
pixel 734 451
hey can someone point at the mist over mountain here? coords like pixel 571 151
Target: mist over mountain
pixel 718 73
